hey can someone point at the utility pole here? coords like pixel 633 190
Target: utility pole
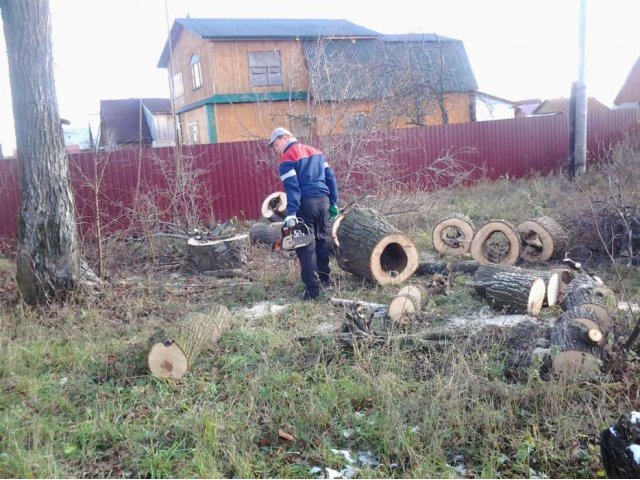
pixel 579 144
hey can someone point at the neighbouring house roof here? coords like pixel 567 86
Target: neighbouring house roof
pixel 373 68
pixel 630 91
pixel 254 28
pixel 124 119
pixel 562 105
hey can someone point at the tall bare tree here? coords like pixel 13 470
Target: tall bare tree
pixel 48 257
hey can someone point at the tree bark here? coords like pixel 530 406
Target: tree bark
pixel 372 248
pixel 223 254
pixel 48 258
pixel 511 289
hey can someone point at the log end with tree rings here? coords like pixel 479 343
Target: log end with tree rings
pixel 536 297
pixel 553 287
pixel 541 239
pixel 574 365
pixel 414 292
pixel 495 242
pixel 402 309
pixel 453 234
pixel 274 207
pixel 565 277
pixel 220 254
pixel 167 360
pixel 394 259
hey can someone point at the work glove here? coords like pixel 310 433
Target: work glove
pixel 290 221
pixel 333 212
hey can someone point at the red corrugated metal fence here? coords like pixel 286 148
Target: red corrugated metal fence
pixel 218 182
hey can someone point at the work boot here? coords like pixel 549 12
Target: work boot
pixel 310 295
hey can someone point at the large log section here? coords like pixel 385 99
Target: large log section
pixel 542 238
pixel 372 248
pixel 177 348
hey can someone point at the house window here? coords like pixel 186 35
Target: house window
pixel 196 72
pixel 194 137
pixel 265 69
pixel 178 89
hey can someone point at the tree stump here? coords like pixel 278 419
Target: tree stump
pixel 511 289
pixel 262 233
pixel 496 242
pixel 174 355
pixel 453 234
pixel 541 239
pixel 372 248
pixel 274 207
pixel 222 254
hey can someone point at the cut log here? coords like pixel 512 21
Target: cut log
pixel 414 292
pixel 402 309
pixel 372 248
pixel 553 288
pixel 511 289
pixel 223 254
pixel 564 277
pixel 262 233
pixel 174 355
pixel 453 234
pixel 376 309
pixel 274 207
pixel 574 365
pixel 579 329
pixel 495 242
pixel 600 301
pixel 541 238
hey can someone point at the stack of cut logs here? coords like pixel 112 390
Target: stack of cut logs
pixel 578 333
pixel 499 242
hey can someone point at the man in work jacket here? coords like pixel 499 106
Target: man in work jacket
pixel 312 195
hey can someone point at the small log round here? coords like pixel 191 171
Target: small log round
pixel 541 239
pixel 402 309
pixel 487 246
pixel 274 207
pixel 372 248
pixel 574 365
pixel 263 233
pixel 453 234
pixel 223 254
pixel 183 342
pixel 413 292
pixel 564 277
pixel 553 289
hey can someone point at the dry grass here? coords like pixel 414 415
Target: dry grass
pixel 76 399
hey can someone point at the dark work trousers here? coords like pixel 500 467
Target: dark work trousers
pixel 314 258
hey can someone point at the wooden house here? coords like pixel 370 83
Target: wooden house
pixel 629 94
pixel 237 79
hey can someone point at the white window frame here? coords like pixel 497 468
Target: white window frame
pixel 178 87
pixel 193 133
pixel 196 72
pixel 265 69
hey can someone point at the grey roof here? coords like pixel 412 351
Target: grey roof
pixel 367 69
pixel 123 118
pixel 252 28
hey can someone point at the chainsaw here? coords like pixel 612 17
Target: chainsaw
pixel 294 237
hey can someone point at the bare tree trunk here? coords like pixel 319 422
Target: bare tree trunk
pixel 48 258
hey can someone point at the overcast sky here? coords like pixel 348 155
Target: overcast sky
pixel 517 48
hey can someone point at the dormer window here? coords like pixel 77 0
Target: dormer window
pixel 265 69
pixel 196 72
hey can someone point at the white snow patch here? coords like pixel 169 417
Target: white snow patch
pixel 635 416
pixel 484 320
pixel 261 310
